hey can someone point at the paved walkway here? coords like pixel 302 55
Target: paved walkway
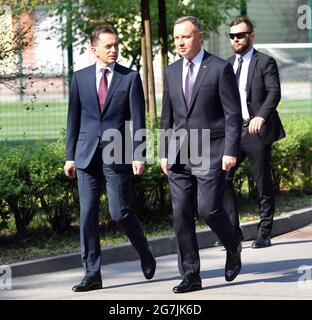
pixel 270 273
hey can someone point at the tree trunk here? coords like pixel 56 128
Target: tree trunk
pixel 163 36
pixel 149 55
pixel 144 65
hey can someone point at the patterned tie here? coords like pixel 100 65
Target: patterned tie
pixel 102 93
pixel 189 83
pixel 239 68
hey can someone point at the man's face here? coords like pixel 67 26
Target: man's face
pixel 241 46
pixel 187 39
pixel 106 48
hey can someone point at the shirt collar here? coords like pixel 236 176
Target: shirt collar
pixel 99 66
pixel 247 56
pixel 197 59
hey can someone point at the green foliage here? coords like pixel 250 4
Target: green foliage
pixel 292 156
pixel 32 180
pixel 291 159
pixel 211 14
pixel 126 17
pixel 16 187
pixel 56 193
pixel 151 196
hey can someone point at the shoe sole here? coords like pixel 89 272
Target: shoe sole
pixel 196 288
pixel 260 247
pixel 97 287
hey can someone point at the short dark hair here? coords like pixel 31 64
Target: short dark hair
pixel 194 21
pixel 242 19
pixel 94 37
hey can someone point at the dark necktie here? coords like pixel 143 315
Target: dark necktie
pixel 189 83
pixel 239 68
pixel 102 93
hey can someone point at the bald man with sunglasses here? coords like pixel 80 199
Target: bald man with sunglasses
pixel 259 87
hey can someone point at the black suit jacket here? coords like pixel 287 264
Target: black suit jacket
pixel 86 123
pixel 263 95
pixel 215 105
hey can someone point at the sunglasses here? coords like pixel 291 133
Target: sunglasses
pixel 239 35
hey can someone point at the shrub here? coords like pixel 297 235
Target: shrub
pixel 16 186
pixel 56 193
pixel 292 156
pixel 33 179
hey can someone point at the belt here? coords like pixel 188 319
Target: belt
pixel 246 122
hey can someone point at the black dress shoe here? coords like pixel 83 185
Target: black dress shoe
pixel 233 264
pixel 261 242
pixel 88 284
pixel 149 266
pixel 191 282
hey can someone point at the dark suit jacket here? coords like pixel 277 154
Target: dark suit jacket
pixel 215 105
pixel 85 122
pixel 263 95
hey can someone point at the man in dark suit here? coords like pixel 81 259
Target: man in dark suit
pixel 103 98
pixel 260 93
pixel 200 94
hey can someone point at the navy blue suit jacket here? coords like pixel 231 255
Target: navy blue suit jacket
pixel 86 123
pixel 215 105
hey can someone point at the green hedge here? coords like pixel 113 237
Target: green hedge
pixel 32 181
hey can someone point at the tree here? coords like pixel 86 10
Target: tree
pixel 147 45
pixel 163 35
pixel 16 36
pixel 125 16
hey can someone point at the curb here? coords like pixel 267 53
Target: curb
pixel 160 246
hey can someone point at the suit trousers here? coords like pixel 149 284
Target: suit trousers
pixel 118 188
pixel 259 155
pixel 203 194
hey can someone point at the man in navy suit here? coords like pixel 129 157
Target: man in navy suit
pixel 260 93
pixel 103 98
pixel 200 95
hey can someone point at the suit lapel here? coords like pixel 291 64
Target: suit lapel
pixel 117 76
pixel 91 84
pixel 202 73
pixel 252 65
pixel 178 72
pixel 231 59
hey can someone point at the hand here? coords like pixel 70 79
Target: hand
pixel 255 125
pixel 228 162
pixel 70 169
pixel 137 167
pixel 164 166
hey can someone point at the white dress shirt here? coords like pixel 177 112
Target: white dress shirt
pixel 98 73
pixel 196 61
pixel 243 81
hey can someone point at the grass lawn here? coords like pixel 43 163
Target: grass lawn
pixel 20 121
pixel 43 242
pixel 28 122
pixel 295 107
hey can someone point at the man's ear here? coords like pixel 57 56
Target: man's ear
pixel 201 36
pixel 93 50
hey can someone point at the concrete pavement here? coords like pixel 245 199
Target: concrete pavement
pixel 282 271
pixel 160 246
